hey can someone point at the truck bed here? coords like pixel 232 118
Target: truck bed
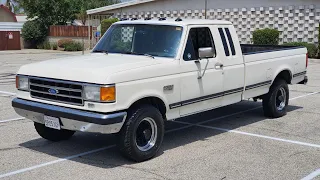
pixel 264 62
pixel 256 49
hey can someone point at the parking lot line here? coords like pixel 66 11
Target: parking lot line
pixel 312 175
pixel 7 93
pixel 304 96
pixel 15 119
pixel 177 129
pixel 54 162
pixel 251 134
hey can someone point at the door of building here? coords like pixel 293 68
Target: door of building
pixel 10 40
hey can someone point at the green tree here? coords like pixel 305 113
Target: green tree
pixel 33 33
pixel 84 5
pixel 48 13
pixel 60 12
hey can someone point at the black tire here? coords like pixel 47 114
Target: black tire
pixel 129 135
pixel 272 99
pixel 53 134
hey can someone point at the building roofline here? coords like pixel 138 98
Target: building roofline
pixel 8 10
pixel 116 6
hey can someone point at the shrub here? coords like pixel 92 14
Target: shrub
pixel 106 23
pixel 63 42
pixel 54 46
pixel 266 37
pixel 46 45
pixel 40 46
pixel 34 33
pixel 74 46
pixel 312 48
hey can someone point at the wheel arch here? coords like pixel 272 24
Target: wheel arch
pixel 284 74
pixel 151 100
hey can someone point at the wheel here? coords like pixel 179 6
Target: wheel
pixel 141 136
pixel 276 101
pixel 53 134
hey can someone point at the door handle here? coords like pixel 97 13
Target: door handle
pixel 219 66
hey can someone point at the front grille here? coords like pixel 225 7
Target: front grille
pixel 56 90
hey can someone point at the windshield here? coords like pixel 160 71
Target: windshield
pixel 152 40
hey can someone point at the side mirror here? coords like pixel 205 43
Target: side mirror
pixel 207 52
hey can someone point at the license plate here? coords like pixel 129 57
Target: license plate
pixel 52 122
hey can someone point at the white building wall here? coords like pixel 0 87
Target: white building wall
pixel 297 20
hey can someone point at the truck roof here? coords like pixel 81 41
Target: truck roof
pixel 174 22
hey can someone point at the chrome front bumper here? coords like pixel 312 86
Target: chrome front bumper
pixel 71 119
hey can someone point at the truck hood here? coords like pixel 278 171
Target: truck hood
pixel 92 68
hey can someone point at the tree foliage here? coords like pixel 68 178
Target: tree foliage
pixel 34 33
pixel 59 12
pixel 84 5
pixel 48 13
pixel 106 23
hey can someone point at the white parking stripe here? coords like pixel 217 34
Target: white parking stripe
pixel 304 95
pixel 173 130
pixel 312 175
pixel 251 134
pixel 15 119
pixel 241 112
pixel 7 93
pixel 54 162
pixel 71 157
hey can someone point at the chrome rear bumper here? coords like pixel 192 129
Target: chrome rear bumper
pixel 71 119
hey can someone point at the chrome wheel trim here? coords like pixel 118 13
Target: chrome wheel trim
pixel 281 99
pixel 146 125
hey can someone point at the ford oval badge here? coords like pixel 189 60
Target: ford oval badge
pixel 53 91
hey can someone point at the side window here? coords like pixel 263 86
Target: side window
pixel 198 38
pixel 224 42
pixel 233 51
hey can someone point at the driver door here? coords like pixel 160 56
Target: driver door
pixel 200 94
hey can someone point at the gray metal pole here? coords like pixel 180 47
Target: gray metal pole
pixel 205 8
pixel 89 31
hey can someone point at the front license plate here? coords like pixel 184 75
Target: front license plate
pixel 52 122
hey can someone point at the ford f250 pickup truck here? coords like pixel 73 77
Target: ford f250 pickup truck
pixel 145 72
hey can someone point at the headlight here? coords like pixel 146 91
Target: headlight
pixel 100 93
pixel 22 83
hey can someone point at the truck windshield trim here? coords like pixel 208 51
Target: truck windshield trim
pixel 141 39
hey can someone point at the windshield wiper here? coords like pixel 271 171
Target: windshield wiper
pixel 134 53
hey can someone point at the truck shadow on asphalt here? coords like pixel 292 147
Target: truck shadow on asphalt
pixel 110 158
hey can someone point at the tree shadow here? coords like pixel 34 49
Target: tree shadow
pixel 177 135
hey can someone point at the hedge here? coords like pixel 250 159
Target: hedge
pixel 73 46
pixel 63 42
pixel 312 48
pixel 266 37
pixel 54 46
pixel 34 33
pixel 106 23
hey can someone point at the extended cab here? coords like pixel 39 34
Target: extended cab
pixel 145 72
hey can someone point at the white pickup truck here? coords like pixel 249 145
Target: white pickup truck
pixel 145 72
